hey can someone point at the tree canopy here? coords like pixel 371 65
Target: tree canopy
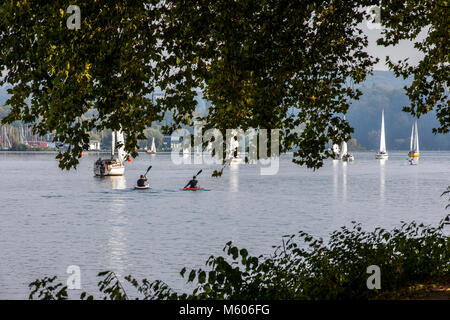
pixel 268 64
pixel 59 74
pixel 404 20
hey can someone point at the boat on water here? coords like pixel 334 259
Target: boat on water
pixel 345 155
pixel 192 189
pixel 153 148
pixel 147 186
pixel 115 165
pixel 382 153
pixel 414 143
pixel 336 151
pixel 233 150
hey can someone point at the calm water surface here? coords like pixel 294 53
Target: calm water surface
pixel 51 219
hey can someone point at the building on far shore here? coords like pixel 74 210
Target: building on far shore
pixel 94 145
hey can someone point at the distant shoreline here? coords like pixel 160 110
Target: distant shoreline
pixel 169 152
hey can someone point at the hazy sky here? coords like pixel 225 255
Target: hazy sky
pixel 405 49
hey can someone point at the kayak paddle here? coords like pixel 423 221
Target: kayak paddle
pixel 147 170
pixel 199 172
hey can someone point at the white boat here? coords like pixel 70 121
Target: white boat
pixel 113 166
pixel 336 150
pixel 414 142
pixel 233 150
pixel 344 155
pixel 382 153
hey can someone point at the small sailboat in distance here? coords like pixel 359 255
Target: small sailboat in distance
pixel 382 153
pixel 153 148
pixel 344 155
pixel 335 150
pixel 414 142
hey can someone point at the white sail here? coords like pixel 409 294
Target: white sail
pixel 412 139
pixel 153 149
pixel 121 150
pixel 416 139
pixel 343 149
pixel 336 149
pixel 382 138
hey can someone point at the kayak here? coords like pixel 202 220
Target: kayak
pixel 142 188
pixel 192 189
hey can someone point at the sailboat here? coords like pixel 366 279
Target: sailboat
pixel 233 150
pixel 113 166
pixel 153 148
pixel 414 143
pixel 382 153
pixel 335 151
pixel 344 155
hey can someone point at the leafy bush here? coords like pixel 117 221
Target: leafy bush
pixel 302 267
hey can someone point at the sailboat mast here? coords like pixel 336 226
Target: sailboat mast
pixel 113 143
pixel 121 149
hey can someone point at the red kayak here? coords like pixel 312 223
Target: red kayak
pixel 192 189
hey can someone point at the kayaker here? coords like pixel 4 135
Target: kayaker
pixel 142 181
pixel 192 183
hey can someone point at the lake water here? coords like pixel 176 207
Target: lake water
pixel 50 219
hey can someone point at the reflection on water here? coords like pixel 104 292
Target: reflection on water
pixel 344 180
pixel 335 178
pixel 118 182
pixel 382 179
pixel 234 177
pixel 117 239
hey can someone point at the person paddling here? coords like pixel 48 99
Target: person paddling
pixel 142 182
pixel 193 183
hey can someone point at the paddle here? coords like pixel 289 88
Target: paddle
pixel 147 170
pixel 194 176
